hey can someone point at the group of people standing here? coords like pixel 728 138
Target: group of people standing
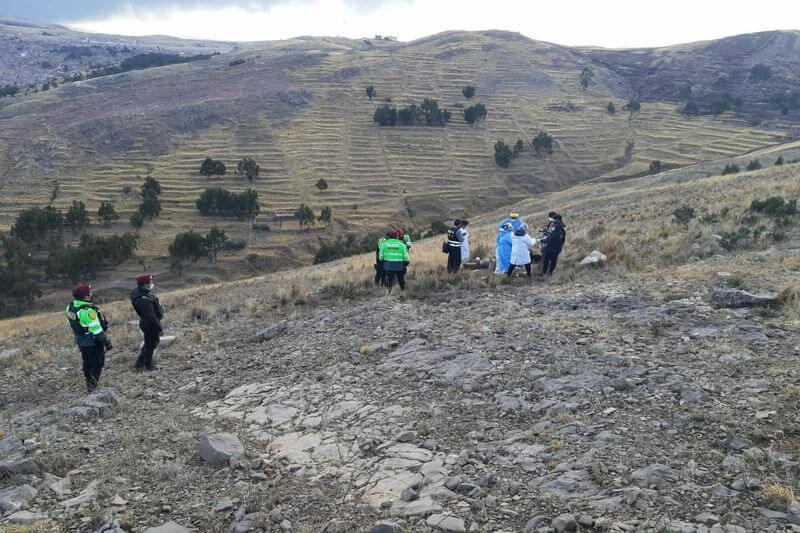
pixel 514 244
pixel 90 327
pixel 392 259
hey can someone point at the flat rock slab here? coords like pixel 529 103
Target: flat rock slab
pixel 26 517
pixel 655 475
pixel 272 331
pixel 219 448
pixel 14 498
pixel 169 527
pixel 446 523
pixel 737 298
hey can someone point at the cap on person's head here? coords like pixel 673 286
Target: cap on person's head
pixel 551 214
pixel 556 217
pixel 457 222
pixel 465 222
pixel 79 292
pixel 144 279
pixel 520 231
pixel 390 234
pixel 399 233
pixel 514 215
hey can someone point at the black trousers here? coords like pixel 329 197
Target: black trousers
pixel 454 259
pixel 94 359
pixel 527 269
pixel 549 260
pixel 400 276
pixel 151 340
pixel 380 274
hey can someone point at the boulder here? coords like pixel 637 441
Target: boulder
pixel 564 522
pixel 446 523
pixel 219 448
pixel 737 298
pixel 593 258
pixel 87 495
pixel 169 527
pixel 26 517
pixel 655 475
pixel 272 331
pixel 385 527
pixel 19 466
pixel 14 498
pixel 9 353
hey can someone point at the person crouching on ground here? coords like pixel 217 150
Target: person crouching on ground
pixel 553 243
pixel 521 243
pixel 89 327
pixel 147 306
pixel 394 255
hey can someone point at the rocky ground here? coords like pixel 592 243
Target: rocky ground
pixel 615 405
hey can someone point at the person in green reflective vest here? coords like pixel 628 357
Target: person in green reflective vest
pixel 89 327
pixel 395 258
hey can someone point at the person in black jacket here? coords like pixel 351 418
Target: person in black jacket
pixel 147 306
pixel 553 243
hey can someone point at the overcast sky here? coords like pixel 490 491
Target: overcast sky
pixel 611 23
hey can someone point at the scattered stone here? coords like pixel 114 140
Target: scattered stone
pixel 593 258
pixel 89 494
pixel 407 436
pixel 708 519
pixel 385 527
pixel 737 298
pixel 409 495
pixel 219 448
pixel 26 517
pixel 93 405
pixel 564 522
pixel 656 475
pixel 272 331
pixel 692 393
pixel 224 504
pixel 14 498
pixel 338 526
pixel 165 341
pixel 168 527
pixel 119 501
pixel 20 466
pixel 446 523
pixel 9 354
pixel 113 526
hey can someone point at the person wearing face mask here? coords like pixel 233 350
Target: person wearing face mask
pixel 89 327
pixel 147 306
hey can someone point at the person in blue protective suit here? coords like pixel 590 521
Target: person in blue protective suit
pixel 512 219
pixel 503 249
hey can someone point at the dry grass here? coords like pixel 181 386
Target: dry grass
pixel 790 298
pixel 779 493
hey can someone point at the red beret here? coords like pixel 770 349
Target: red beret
pixel 81 291
pixel 144 278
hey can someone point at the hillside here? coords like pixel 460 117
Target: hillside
pixel 298 107
pixel 609 398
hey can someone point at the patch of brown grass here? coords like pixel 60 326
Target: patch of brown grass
pixel 790 298
pixel 779 493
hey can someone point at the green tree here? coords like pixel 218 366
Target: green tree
pixel 385 115
pixel 502 154
pixel 434 116
pixel 518 147
pixel 408 116
pixel 304 215
pixel 151 187
pixel 214 241
pixel 76 216
pixel 150 207
pixel 106 213
pixel 754 164
pixel 690 108
pixel 730 168
pixel 611 108
pixel 633 106
pixel 321 184
pixel 216 201
pixel 760 72
pixel 655 167
pixel 137 220
pixel 542 144
pixel 189 245
pixel 33 223
pixel 370 92
pixel 475 113
pixel 468 91
pixel 685 93
pixel 248 167
pixel 325 216
pixel 212 167
pixel 586 77
pixel 779 161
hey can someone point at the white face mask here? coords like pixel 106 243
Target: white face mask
pixel 150 286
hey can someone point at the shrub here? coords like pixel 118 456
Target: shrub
pixel 779 161
pixel 17 289
pixel 216 201
pixel 683 214
pixel 633 106
pixel 438 228
pixel 32 224
pixel 434 116
pixel 76 216
pixel 760 72
pixel 730 168
pixel 409 116
pixel 321 184
pixel 137 220
pixel 468 91
pixel 214 241
pixel 542 144
pixel 586 77
pixel 150 207
pixel 90 255
pixel 518 147
pixel 8 90
pixel 385 115
pixel 755 164
pixel 106 213
pixel 151 187
pixel 690 108
pixel 211 167
pixel 248 167
pixel 325 215
pixel 236 62
pixel 304 215
pixel 655 167
pixel 188 245
pixel 475 113
pixel 611 108
pixel 775 206
pixel 502 154
pixel 345 246
pixel 370 92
